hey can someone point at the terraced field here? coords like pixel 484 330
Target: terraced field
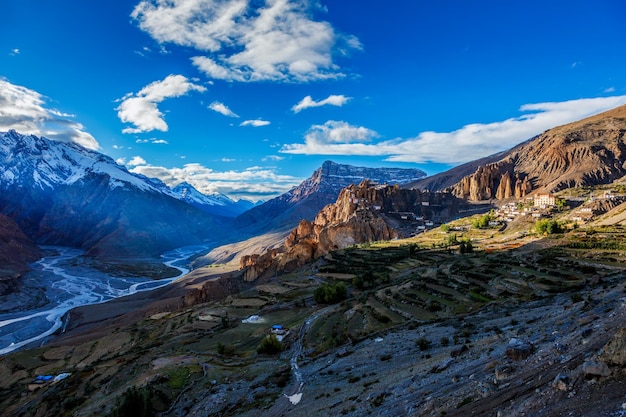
pixel 405 285
pixel 205 358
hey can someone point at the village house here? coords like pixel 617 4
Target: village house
pixel 608 195
pixel 279 331
pixel 544 200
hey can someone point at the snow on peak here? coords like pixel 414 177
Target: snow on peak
pixel 28 158
pixel 187 192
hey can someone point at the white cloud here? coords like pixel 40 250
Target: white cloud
pixel 609 90
pixel 470 142
pixel 136 161
pixel 274 158
pixel 141 109
pixel 24 110
pixel 121 161
pixel 253 183
pixel 336 132
pixel 14 52
pixel 255 123
pixel 155 141
pixel 240 40
pixel 308 102
pixel 228 160
pixel 222 108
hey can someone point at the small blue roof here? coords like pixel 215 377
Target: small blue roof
pixel 277 326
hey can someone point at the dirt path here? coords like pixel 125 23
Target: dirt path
pixel 296 388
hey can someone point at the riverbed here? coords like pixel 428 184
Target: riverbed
pixel 57 284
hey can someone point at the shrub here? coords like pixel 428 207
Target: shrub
pixel 445 228
pixel 576 297
pixel 270 345
pixel 423 343
pixel 465 401
pixel 226 350
pixel 466 246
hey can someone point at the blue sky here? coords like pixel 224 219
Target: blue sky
pixel 249 97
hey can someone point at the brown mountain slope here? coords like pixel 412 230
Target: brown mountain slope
pixel 588 152
pixel 16 252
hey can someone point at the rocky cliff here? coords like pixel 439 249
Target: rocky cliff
pixel 362 213
pixel 588 152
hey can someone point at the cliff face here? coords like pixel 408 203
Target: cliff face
pixel 498 180
pixel 362 213
pixel 588 152
pixel 348 221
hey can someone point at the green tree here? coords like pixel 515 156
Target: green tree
pixel 330 293
pixel 548 227
pixel 482 222
pixel 445 227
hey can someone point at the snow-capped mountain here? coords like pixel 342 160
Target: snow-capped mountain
pixel 218 204
pixel 322 188
pixel 46 164
pixel 63 194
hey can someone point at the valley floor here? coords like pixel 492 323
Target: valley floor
pixel 520 329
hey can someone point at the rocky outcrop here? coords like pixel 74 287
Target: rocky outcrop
pixel 519 349
pixel 588 152
pixel 362 213
pixel 322 188
pixel 595 368
pixel 498 180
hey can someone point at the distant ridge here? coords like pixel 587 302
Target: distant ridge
pixel 322 188
pixel 216 204
pixel 587 152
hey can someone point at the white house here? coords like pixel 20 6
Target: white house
pixel 545 200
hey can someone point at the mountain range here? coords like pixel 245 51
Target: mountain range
pixel 63 194
pixel 265 226
pixel 58 193
pixel 498 321
pixel 588 152
pixel 215 204
pixel 16 251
